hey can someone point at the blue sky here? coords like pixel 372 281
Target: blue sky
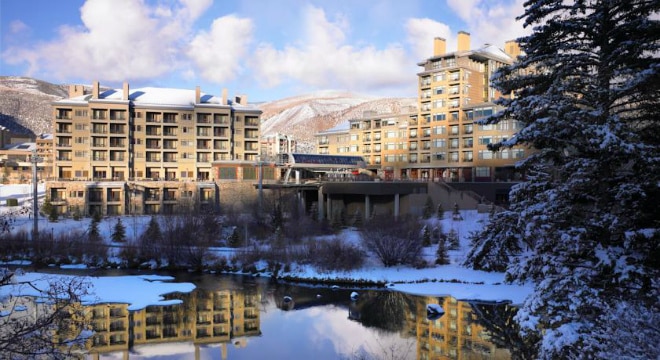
pixel 267 49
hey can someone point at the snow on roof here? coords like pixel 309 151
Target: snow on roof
pixel 27 146
pixel 342 126
pixel 494 51
pixel 160 97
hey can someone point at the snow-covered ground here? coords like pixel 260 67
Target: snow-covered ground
pixel 452 279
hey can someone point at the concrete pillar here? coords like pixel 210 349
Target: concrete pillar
pixel 396 205
pixel 329 207
pixel 367 207
pixel 320 205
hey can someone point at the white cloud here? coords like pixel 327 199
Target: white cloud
pixel 17 26
pixel 118 40
pixel 322 58
pixel 219 53
pixel 490 22
pixel 421 33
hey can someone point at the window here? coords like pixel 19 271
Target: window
pixel 481 171
pixel 439 143
pixel 518 153
pixel 439 76
pixel 485 154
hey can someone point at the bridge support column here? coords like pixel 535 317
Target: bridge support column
pixel 367 208
pixel 320 205
pixel 396 206
pixel 328 200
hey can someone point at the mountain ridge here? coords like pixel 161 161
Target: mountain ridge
pixel 25 107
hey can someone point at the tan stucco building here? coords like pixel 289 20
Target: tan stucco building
pixel 441 139
pixel 146 149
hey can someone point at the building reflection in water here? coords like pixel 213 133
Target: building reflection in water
pixel 458 334
pixel 224 317
pixel 204 317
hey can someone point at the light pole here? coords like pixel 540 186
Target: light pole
pixel 261 180
pixel 34 159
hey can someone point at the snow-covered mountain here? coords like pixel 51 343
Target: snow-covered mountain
pixel 304 116
pixel 25 107
pixel 25 104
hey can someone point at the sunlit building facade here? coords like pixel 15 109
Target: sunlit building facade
pixel 154 146
pixel 441 139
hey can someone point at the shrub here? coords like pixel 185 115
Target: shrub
pixel 393 242
pixel 336 254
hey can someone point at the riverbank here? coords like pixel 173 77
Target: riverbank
pixel 430 280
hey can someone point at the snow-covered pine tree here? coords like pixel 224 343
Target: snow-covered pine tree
pixel 427 211
pixel 492 248
pixel 586 92
pixel 119 231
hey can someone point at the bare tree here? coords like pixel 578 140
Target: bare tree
pixel 29 323
pixel 393 242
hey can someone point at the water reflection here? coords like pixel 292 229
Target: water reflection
pixel 258 319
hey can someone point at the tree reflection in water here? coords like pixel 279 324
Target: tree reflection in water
pixel 385 310
pixel 498 320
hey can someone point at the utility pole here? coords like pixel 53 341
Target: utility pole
pixel 261 180
pixel 34 159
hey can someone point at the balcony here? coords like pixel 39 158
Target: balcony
pixel 251 122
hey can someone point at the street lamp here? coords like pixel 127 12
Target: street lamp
pixel 261 180
pixel 34 159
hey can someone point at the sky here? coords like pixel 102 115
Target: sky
pixel 265 49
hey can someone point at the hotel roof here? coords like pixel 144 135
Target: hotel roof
pixel 152 96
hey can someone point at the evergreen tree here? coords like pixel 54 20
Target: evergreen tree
pixel 492 248
pixel 441 255
pixel 46 207
pixel 585 94
pixel 428 208
pixel 234 239
pixel 440 212
pixel 456 214
pixel 153 234
pixel 53 216
pixel 76 214
pixel 93 233
pixel 119 232
pixel 453 240
pixel 277 217
pixel 426 236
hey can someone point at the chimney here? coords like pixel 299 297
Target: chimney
pixel 241 99
pixel 512 48
pixel 95 90
pixel 76 90
pixel 224 96
pixel 124 93
pixel 439 46
pixel 198 94
pixel 463 41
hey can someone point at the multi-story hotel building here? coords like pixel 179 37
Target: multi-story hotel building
pixel 441 140
pixel 116 142
pixel 381 139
